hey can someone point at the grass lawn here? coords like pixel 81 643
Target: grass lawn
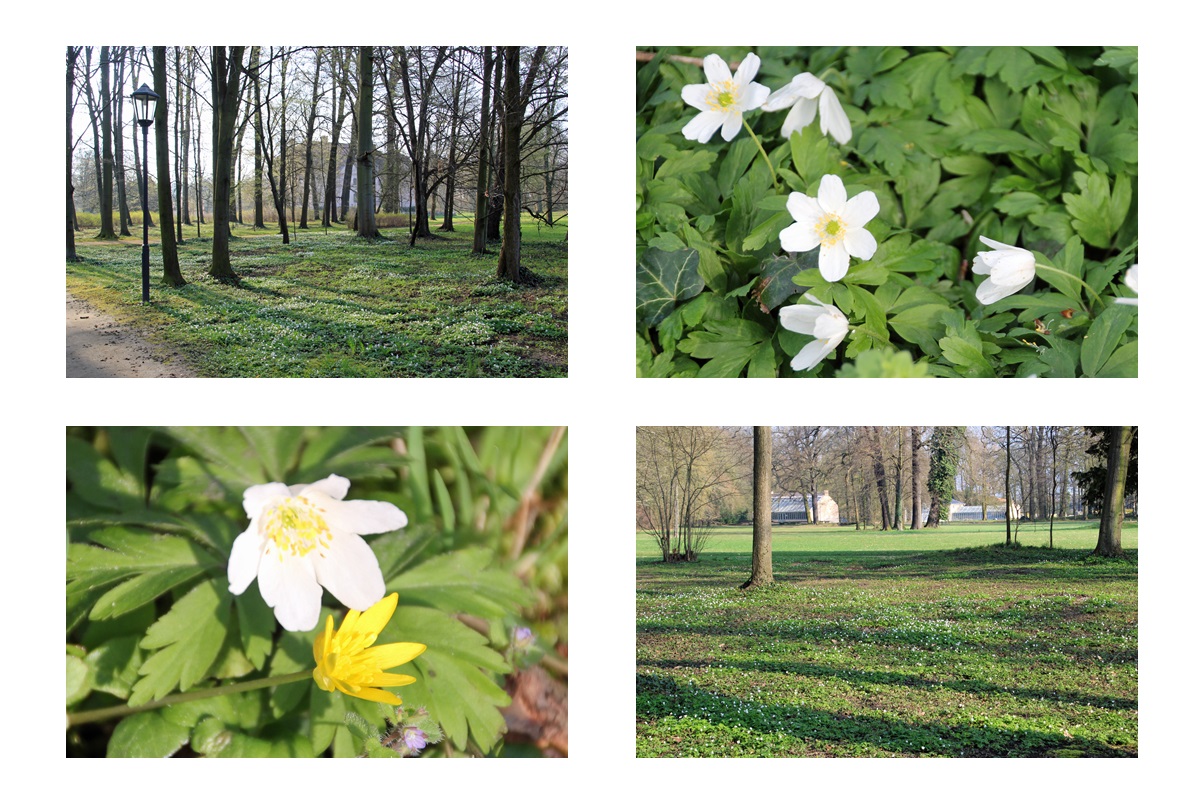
pixel 328 305
pixel 890 644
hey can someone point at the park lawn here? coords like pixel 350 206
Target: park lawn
pixel 874 644
pixel 329 305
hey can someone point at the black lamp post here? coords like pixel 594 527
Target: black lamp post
pixel 145 103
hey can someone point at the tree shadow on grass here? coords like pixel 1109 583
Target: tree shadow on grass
pixel 658 696
pixel 894 678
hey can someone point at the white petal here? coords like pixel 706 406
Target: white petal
pixel 831 327
pixel 860 243
pixel 703 126
pixel 716 69
pixel 994 243
pixel 288 585
pixel 349 571
pixel 799 117
pixel 1131 279
pixel 801 318
pixel 832 118
pixel 861 209
pixel 833 262
pixel 989 291
pixel 799 237
pixel 747 71
pixel 362 516
pixel 696 95
pixel 804 209
pixel 731 126
pixel 754 96
pixel 256 497
pixel 1013 269
pixel 810 355
pixel 244 558
pixel 803 85
pixel 832 196
pixel 980 265
pixel 333 486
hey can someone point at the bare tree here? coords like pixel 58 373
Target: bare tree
pixel 365 215
pixel 72 57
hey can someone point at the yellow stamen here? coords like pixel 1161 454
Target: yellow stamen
pixel 830 229
pixel 722 95
pixel 296 526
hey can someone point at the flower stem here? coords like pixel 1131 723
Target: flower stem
pixel 94 715
pixel 769 164
pixel 1075 278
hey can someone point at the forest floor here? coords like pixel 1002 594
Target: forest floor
pixel 332 305
pixel 974 652
pixel 99 346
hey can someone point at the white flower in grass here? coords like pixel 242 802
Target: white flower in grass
pixel 824 322
pixel 305 537
pixel 1131 281
pixel 806 94
pixel 1010 269
pixel 835 223
pixel 724 99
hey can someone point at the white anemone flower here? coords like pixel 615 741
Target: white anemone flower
pixel 305 537
pixel 1010 269
pixel 724 99
pixel 806 94
pixel 835 223
pixel 824 322
pixel 1131 281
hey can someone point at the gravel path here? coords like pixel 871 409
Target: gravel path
pixel 98 346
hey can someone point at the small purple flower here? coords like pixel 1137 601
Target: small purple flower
pixel 414 738
pixel 523 637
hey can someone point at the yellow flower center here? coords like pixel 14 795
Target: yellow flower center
pixel 296 526
pixel 722 95
pixel 830 229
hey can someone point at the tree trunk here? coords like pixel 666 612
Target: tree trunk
pixel 352 144
pixel 329 210
pixel 167 242
pixel 282 205
pixel 258 223
pixel 916 513
pixel 187 83
pixel 227 69
pixel 762 550
pixel 1120 440
pixel 1007 484
pixel 106 146
pixel 880 474
pixel 309 141
pixel 180 196
pixel 508 264
pixel 365 216
pixel 478 223
pixel 123 206
pixel 493 221
pixel 72 55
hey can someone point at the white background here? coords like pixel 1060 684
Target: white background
pixel 601 402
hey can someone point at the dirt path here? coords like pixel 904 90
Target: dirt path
pixel 98 346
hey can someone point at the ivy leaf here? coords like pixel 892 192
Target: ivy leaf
pixel 663 280
pixel 188 638
pixel 776 279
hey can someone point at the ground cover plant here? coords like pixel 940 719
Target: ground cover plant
pixel 195 625
pixel 333 305
pixel 830 211
pixel 890 644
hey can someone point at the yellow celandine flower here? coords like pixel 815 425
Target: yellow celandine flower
pixel 348 662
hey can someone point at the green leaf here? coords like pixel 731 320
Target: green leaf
pixel 922 325
pixel 114 665
pixel 740 155
pixel 692 161
pixel 188 639
pixel 1123 362
pixel 1001 141
pixel 462 581
pixel 275 447
pixel 256 626
pixel 961 352
pixel 100 481
pixel 78 679
pixel 664 280
pixel 1096 213
pixel 1103 337
pixel 775 282
pixel 454 675
pixel 146 734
